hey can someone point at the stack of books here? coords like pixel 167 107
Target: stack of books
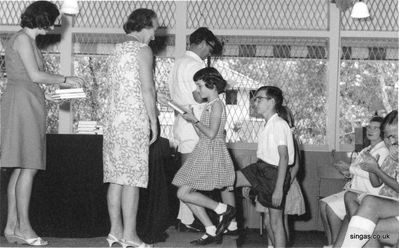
pixel 69 93
pixel 89 127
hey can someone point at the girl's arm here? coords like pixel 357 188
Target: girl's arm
pixel 211 130
pixel 25 50
pixel 282 170
pixel 295 168
pixel 370 164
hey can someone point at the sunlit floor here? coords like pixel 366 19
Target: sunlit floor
pixel 250 238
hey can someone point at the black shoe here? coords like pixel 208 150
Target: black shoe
pixel 231 233
pixel 187 228
pixel 227 217
pixel 207 239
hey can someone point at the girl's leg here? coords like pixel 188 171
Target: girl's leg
pixel 23 191
pixel 201 214
pixel 187 195
pixel 342 231
pixel 114 202
pixel 324 220
pixel 229 199
pixel 269 230
pixel 351 203
pixel 334 223
pixel 287 227
pixel 370 211
pixel 386 231
pixel 130 200
pixel 276 218
pixel 12 217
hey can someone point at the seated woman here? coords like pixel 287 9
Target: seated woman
pixel 333 209
pixel 377 208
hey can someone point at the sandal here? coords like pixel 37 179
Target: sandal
pixel 32 241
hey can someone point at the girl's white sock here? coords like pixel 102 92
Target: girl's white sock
pixel 359 231
pixel 232 226
pixel 211 230
pixel 221 208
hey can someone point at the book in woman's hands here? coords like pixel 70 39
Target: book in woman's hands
pixel 176 107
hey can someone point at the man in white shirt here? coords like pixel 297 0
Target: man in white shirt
pixel 182 89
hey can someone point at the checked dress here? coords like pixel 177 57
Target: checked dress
pixel 209 166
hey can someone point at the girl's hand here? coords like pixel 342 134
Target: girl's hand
pixel 369 163
pixel 343 168
pixel 277 197
pixel 163 99
pixel 245 192
pixel 189 116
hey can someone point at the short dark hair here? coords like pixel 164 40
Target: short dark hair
pixel 139 19
pixel 40 14
pixel 212 79
pixel 380 120
pixel 277 94
pixel 204 34
pixel 390 119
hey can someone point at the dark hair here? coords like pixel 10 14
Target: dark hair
pixel 40 14
pixel 379 120
pixel 277 94
pixel 204 34
pixel 139 19
pixel 212 79
pixel 390 119
pixel 287 115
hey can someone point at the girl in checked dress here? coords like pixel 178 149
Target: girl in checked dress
pixel 209 166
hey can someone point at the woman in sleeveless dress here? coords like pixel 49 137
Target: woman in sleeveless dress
pixel 23 117
pixel 130 116
pixel 209 166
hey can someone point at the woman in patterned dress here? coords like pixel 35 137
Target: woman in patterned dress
pixel 209 166
pixel 130 116
pixel 23 117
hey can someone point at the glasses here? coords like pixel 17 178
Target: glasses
pixel 258 98
pixel 211 45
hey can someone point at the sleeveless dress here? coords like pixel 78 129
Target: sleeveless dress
pixel 126 124
pixel 209 166
pixel 23 113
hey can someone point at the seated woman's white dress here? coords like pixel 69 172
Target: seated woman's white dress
pixel 360 179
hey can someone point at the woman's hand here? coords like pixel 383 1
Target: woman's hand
pixel 154 132
pixel 369 163
pixel 49 97
pixel 73 82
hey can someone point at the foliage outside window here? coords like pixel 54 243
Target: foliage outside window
pixel 303 82
pixel 365 87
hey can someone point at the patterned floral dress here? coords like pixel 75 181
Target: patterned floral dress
pixel 126 124
pixel 209 166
